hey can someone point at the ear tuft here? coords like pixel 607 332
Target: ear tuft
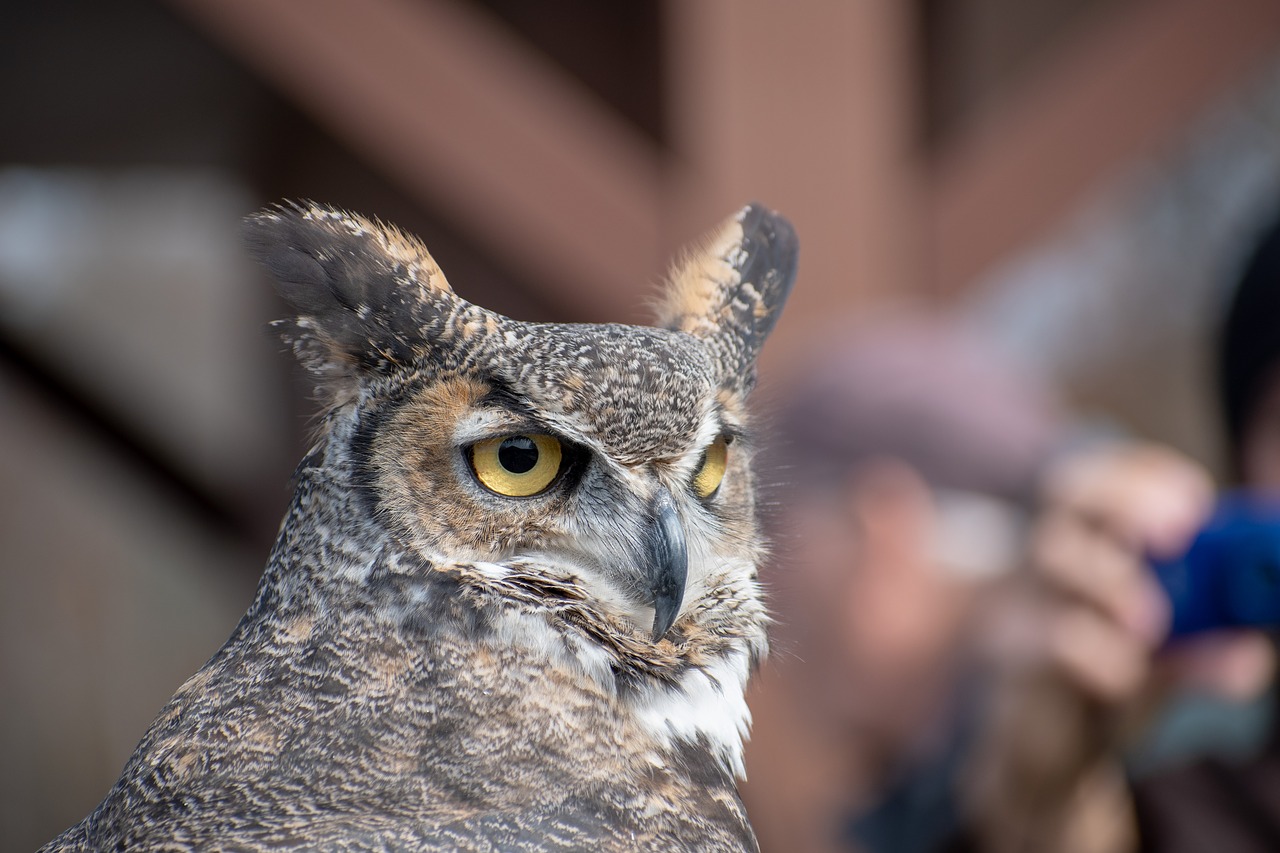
pixel 730 289
pixel 366 293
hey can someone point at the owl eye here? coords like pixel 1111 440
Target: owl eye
pixel 711 469
pixel 517 465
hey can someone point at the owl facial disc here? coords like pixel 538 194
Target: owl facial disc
pixel 668 563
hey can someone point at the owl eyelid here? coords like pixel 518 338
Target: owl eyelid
pixel 515 428
pixel 499 422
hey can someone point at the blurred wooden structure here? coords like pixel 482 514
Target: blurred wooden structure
pixel 816 109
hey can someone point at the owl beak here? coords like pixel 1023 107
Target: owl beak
pixel 668 563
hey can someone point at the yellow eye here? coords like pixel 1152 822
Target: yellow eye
pixel 516 465
pixel 711 471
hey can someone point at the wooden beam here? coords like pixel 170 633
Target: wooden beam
pixel 472 122
pixel 1119 94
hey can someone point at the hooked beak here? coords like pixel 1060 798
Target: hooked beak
pixel 668 563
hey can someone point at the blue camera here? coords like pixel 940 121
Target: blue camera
pixel 1230 576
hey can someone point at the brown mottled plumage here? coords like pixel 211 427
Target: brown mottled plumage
pixel 431 664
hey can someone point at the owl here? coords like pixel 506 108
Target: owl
pixel 513 604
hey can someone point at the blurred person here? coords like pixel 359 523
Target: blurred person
pixel 923 696
pixel 891 450
pixel 1080 643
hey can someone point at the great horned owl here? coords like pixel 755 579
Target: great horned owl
pixel 513 604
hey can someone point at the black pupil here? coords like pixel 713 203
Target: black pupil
pixel 518 454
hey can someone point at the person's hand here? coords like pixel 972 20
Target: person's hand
pixel 1077 644
pixel 1089 607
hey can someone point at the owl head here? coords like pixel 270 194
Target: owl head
pixel 609 463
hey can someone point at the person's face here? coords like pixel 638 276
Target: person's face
pixel 871 612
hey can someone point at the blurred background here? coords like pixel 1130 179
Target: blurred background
pixel 1077 178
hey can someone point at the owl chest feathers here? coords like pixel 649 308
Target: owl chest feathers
pixel 405 724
